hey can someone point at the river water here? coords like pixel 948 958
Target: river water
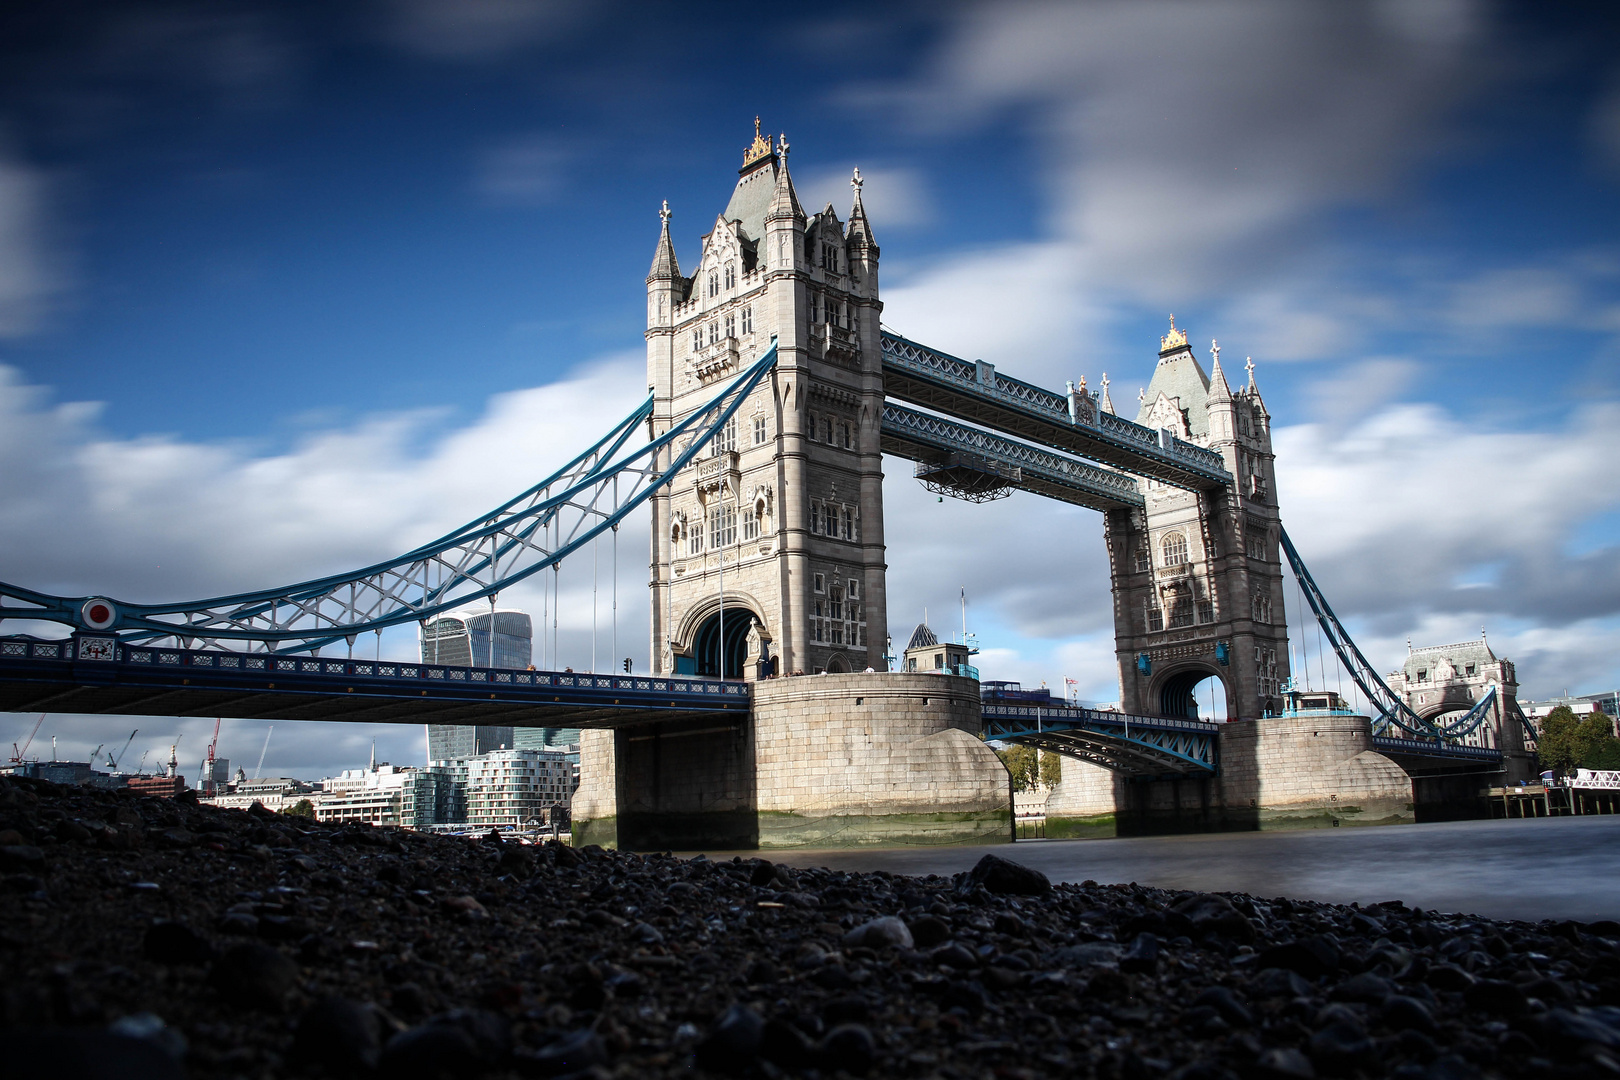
pixel 1537 868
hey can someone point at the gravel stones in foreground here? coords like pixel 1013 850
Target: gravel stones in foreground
pixel 158 938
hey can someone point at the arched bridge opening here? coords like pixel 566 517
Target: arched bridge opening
pixel 720 646
pixel 1197 693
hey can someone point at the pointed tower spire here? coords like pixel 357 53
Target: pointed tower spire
pixel 860 230
pixel 373 755
pixel 665 267
pixel 784 200
pixel 1107 403
pixel 1218 389
pixel 1249 367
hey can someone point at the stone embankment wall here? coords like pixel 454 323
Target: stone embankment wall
pixel 826 761
pixel 1276 773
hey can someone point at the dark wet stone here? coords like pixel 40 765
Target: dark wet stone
pixel 929 930
pixel 1007 878
pixel 573 1053
pixel 175 943
pixel 849 1047
pixel 1285 1062
pixel 21 857
pixel 1365 989
pixel 1091 954
pixel 1142 956
pixel 761 971
pixel 47 1054
pixel 646 934
pixel 1010 924
pixel 955 955
pixel 832 977
pixel 340 1034
pixel 1278 982
pixel 1402 1013
pixel 1448 977
pixel 886 932
pixel 734 1042
pixel 431 1051
pixel 846 1010
pixel 1496 996
pixel 254 976
pixel 783 1043
pixel 1211 914
pixel 240 923
pixel 963 995
pixel 1311 957
pixel 1450 1067
pixel 625 984
pixel 1204 1021
pixel 1223 1001
pixel 1341 1048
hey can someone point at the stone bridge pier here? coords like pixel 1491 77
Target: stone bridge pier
pixel 832 760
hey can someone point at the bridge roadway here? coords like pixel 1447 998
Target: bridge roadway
pixel 91 674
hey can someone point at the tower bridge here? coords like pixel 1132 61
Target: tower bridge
pixel 774 391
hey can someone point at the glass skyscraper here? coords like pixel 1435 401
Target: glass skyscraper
pixel 470 638
pixel 465 639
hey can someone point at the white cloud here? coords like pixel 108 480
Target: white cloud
pixel 529 171
pixel 30 276
pixel 163 519
pixel 894 197
pixel 1188 145
pixel 471 30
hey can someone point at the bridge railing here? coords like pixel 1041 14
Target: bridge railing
pixel 984 380
pixel 1396 745
pixel 110 651
pixel 1073 714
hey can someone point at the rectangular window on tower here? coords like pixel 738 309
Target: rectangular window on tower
pixel 1155 617
pixel 731 326
pixel 747 320
pixel 697 338
pixel 820 582
pixel 826 431
pixel 725 440
pixel 750 525
pixel 714 332
pixel 694 538
pixel 843 432
pixel 854 589
pixel 759 430
pixel 810 426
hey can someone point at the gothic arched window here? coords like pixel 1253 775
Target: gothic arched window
pixel 714 283
pixel 731 275
pixel 1174 548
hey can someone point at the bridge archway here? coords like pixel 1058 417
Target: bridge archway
pixel 709 651
pixel 1196 692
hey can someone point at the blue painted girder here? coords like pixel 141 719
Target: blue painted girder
pixel 102 675
pixel 959 388
pixel 919 437
pixel 1133 745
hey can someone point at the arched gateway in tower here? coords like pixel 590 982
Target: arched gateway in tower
pixel 768 554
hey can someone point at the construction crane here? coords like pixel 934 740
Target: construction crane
pixel 112 762
pixel 16 754
pixel 205 782
pixel 96 755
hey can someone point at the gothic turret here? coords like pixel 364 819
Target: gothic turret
pixel 860 230
pixel 665 267
pixel 784 200
pixel 1223 423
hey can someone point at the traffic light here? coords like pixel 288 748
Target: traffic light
pixel 627 665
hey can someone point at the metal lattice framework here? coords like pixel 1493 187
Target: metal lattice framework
pixel 1393 709
pixel 1133 745
pixel 537 529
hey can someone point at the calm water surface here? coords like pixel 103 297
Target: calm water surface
pixel 1541 868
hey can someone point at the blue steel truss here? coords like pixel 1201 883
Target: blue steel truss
pixel 537 529
pixel 1133 745
pixel 976 391
pixel 910 434
pixel 1392 708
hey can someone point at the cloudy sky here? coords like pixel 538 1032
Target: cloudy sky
pixel 289 288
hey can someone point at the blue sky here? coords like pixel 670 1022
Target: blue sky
pixel 288 288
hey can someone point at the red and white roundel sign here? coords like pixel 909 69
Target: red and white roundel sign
pixel 98 614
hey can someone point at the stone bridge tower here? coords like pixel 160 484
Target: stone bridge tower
pixel 768 555
pixel 1197 576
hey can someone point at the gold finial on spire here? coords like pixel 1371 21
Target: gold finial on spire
pixel 1175 339
pixel 759 148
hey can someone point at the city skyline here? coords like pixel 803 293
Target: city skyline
pixel 1404 213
